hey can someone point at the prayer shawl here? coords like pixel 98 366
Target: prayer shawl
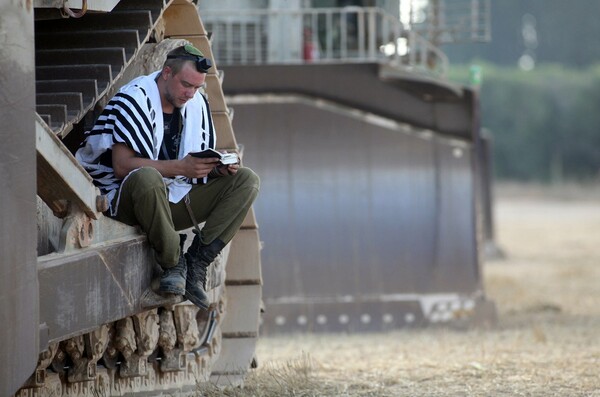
pixel 134 117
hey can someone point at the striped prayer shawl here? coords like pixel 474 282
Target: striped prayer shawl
pixel 134 117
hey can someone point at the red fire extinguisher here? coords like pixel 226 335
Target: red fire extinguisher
pixel 310 49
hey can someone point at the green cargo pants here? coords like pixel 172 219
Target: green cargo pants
pixel 222 203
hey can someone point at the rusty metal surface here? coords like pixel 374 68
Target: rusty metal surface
pixel 18 273
pixel 84 289
pixel 93 270
pixel 54 162
pixel 358 214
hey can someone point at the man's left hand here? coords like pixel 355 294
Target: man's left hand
pixel 230 169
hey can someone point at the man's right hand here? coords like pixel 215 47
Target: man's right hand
pixel 195 167
pixel 124 161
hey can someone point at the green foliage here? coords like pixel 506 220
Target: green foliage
pixel 545 123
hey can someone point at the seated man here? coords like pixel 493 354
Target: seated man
pixel 138 153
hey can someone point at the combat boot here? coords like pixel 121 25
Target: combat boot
pixel 173 279
pixel 198 258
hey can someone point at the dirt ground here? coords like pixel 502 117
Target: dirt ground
pixel 546 343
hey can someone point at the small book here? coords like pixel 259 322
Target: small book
pixel 225 158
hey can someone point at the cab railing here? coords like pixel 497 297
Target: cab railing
pixel 319 35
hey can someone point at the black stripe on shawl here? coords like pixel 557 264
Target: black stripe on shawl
pixel 106 158
pixel 111 126
pixel 96 130
pixel 211 132
pixel 137 107
pixel 104 178
pixel 146 132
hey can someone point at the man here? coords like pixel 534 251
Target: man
pixel 138 153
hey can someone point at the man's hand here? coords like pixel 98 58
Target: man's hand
pixel 224 169
pixel 124 161
pixel 195 167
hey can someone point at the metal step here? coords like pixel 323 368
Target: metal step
pixel 72 100
pixel 57 114
pixel 101 73
pixel 87 87
pixel 85 55
pixel 46 117
pixel 126 38
pixel 75 86
pixel 115 56
pixel 154 6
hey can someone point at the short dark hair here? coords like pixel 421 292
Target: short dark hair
pixel 177 57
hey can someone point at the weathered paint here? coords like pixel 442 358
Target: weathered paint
pixel 18 270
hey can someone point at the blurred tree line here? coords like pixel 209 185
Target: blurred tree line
pixel 545 123
pixel 540 94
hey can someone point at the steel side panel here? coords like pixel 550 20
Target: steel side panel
pixel 243 265
pixel 214 92
pixel 243 309
pixel 18 274
pixel 60 176
pixel 225 137
pixel 93 286
pixel 250 220
pixel 348 208
pixel 181 18
pixel 457 240
pixel 235 357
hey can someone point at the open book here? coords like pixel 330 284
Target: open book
pixel 225 158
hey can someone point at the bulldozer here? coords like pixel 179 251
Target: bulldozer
pixel 373 176
pixel 80 316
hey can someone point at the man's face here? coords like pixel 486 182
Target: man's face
pixel 182 86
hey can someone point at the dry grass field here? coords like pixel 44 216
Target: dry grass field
pixel 546 343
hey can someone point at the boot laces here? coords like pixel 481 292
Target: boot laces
pixel 197 269
pixel 202 271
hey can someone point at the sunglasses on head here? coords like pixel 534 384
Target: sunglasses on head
pixel 194 54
